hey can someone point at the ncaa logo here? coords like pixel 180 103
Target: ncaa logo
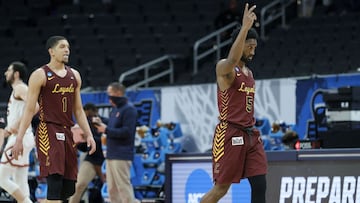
pixel 198 183
pixel 241 192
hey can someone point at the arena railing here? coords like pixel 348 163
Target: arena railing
pixel 271 12
pixel 216 47
pixel 146 67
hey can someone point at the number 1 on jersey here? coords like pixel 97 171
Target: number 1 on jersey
pixel 64 104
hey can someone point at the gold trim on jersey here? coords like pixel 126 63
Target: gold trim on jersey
pixel 224 97
pixel 44 144
pixel 219 139
pixel 43 135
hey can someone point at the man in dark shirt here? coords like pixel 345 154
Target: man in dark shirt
pixel 120 138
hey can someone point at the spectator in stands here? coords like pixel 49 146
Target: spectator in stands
pixel 289 139
pixel 14 173
pixel 91 165
pixel 120 137
pixel 237 150
pixel 231 14
pixel 341 7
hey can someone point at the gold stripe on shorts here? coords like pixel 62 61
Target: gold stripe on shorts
pixel 44 144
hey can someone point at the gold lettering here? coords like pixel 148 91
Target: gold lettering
pixel 249 103
pixel 63 90
pixel 248 90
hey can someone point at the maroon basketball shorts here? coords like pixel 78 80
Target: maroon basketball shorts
pixel 237 154
pixel 56 151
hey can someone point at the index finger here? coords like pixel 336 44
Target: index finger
pixel 246 8
pixel 252 8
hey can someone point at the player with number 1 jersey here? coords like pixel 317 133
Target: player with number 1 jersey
pixel 54 130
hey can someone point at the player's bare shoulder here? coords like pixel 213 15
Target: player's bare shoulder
pixel 225 68
pixel 38 72
pixel 38 77
pixel 225 73
pixel 76 73
pixel 77 76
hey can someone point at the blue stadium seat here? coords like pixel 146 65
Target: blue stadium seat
pixel 41 191
pixel 153 157
pixel 264 126
pixel 156 139
pixel 173 148
pixel 276 140
pixel 175 132
pixel 105 193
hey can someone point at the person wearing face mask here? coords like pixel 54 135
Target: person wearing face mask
pixel 120 137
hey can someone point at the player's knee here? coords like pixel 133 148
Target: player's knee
pixel 258 183
pixel 81 186
pixel 221 190
pixel 258 188
pixel 55 183
pixel 6 183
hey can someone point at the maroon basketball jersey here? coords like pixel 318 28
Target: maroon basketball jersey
pixel 57 97
pixel 236 104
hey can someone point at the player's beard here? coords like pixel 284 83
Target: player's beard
pixel 245 59
pixel 11 80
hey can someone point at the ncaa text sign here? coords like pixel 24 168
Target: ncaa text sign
pixel 314 181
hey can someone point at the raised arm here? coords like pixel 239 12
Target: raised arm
pixel 225 72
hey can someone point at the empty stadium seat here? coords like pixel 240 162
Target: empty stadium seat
pixel 147 29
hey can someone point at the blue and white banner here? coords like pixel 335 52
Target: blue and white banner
pixel 147 102
pixel 190 181
pixel 195 107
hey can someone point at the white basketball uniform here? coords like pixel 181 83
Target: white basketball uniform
pixel 11 169
pixel 15 111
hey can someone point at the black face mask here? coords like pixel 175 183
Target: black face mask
pixel 118 101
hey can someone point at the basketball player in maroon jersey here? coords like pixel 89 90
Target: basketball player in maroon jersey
pixel 237 150
pixel 57 89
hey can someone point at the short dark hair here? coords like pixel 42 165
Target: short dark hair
pixel 252 34
pixel 20 68
pixel 90 106
pixel 118 87
pixel 53 41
